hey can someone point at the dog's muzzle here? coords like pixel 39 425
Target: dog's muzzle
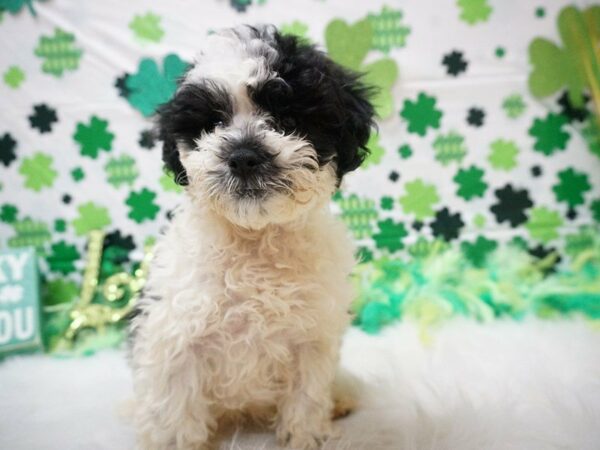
pixel 243 162
pixel 252 171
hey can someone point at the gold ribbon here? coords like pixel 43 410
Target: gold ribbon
pixel 85 313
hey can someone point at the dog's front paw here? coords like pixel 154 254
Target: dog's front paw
pixel 302 439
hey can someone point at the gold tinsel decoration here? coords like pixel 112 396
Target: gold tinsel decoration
pixel 88 315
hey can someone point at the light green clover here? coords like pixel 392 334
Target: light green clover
pixel 473 11
pixel 91 217
pixel 38 171
pixel 348 45
pixel 59 52
pixel 569 66
pixel 503 155
pixel 419 199
pixel 14 76
pixel 147 27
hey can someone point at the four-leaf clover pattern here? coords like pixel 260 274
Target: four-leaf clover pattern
pixel 457 171
pixel 93 137
pixel 421 114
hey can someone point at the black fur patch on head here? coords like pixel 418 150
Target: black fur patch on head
pixel 320 100
pixel 195 108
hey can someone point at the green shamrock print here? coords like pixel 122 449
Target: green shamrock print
pixel 386 203
pixel 543 224
pixel 149 87
pixel 348 45
pixel 478 251
pixel 548 133
pixel 63 257
pixel 571 187
pixel 141 205
pixel 147 27
pixel 470 183
pixel 449 148
pixel 405 151
pixel 38 171
pixel 14 77
pixel 58 52
pixel 474 11
pixel 514 106
pixel 121 171
pixel 60 225
pixel 388 30
pixel 419 199
pixel 421 114
pixel 390 235
pixel 77 174
pixel 91 217
pixel 8 213
pixel 358 214
pixel 503 155
pixel 30 233
pixel 93 137
pixel 577 29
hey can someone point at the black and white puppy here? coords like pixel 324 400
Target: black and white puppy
pixel 248 295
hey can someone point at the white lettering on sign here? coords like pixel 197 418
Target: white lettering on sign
pixel 11 267
pixel 11 293
pixel 18 324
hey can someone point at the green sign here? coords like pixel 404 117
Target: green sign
pixel 19 301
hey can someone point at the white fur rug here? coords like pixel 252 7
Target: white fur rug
pixel 532 385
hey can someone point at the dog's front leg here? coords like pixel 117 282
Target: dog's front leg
pixel 170 409
pixel 305 413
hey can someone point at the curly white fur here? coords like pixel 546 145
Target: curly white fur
pixel 248 320
pixel 248 295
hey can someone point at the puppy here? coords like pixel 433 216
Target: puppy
pixel 248 294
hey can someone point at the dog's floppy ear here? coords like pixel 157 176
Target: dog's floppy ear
pixel 170 156
pixel 357 116
pixel 167 119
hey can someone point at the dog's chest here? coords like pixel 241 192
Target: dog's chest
pixel 268 293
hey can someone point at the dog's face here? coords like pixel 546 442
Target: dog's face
pixel 264 126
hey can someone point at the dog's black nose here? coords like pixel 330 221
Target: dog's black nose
pixel 243 161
